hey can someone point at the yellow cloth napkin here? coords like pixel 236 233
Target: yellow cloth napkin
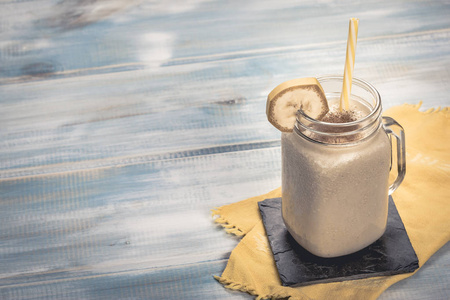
pixel 422 200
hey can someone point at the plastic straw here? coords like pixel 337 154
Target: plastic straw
pixel 349 64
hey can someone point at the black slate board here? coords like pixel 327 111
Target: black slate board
pixel 389 255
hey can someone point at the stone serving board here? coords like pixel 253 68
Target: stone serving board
pixel 390 255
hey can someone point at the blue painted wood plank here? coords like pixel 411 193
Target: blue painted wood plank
pixel 40 38
pixel 196 281
pixel 213 103
pixel 181 282
pixel 126 216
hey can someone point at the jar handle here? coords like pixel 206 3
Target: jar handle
pixel 393 129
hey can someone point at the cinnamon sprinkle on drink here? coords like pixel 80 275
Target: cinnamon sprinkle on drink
pixel 344 116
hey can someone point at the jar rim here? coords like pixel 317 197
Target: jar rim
pixel 343 133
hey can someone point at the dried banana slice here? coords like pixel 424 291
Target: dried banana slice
pixel 287 98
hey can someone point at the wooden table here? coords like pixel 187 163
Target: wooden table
pixel 122 123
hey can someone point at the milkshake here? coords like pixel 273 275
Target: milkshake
pixel 335 198
pixel 335 172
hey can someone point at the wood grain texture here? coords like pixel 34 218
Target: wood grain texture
pixel 122 123
pixel 75 120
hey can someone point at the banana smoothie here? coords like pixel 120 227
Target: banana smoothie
pixel 335 197
pixel 335 169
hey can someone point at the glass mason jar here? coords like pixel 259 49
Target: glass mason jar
pixel 335 175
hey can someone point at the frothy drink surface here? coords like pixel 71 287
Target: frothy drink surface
pixel 356 112
pixel 335 197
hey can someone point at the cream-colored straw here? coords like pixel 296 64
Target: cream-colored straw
pixel 349 63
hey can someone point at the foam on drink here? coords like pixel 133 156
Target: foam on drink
pixel 323 131
pixel 355 112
